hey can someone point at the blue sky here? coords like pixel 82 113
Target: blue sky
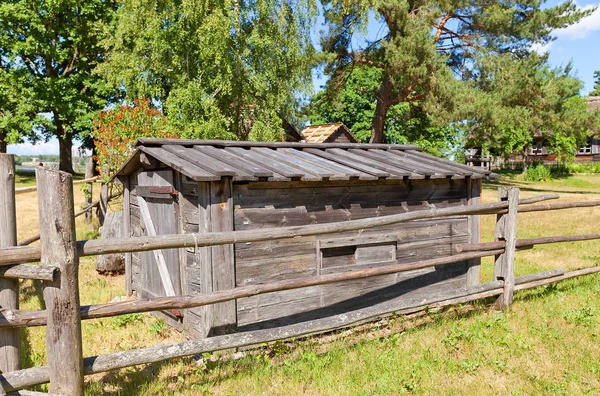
pixel 579 44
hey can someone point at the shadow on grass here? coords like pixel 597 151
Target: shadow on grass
pixel 32 290
pixel 129 381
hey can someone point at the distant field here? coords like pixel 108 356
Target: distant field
pixel 548 343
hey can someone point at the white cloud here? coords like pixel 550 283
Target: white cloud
pixel 541 48
pixel 34 149
pixel 582 28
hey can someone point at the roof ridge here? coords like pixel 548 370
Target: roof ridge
pixel 296 145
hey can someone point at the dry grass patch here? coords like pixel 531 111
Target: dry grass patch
pixel 546 344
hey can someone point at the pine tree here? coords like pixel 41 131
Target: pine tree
pixel 596 90
pixel 426 44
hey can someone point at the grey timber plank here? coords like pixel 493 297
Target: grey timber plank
pixel 296 162
pixel 229 143
pixel 202 263
pixel 341 170
pixel 447 169
pixel 203 161
pixel 10 341
pixel 192 171
pixel 380 157
pixel 410 164
pixel 350 163
pixel 235 161
pixel 474 198
pixel 223 258
pixel 468 170
pixel 127 232
pixel 278 169
pixel 394 172
pixel 59 248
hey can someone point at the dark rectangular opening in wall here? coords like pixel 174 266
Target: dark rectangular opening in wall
pixel 338 257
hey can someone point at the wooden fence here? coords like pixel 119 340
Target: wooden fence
pixel 59 254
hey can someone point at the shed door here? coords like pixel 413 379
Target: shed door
pixel 158 216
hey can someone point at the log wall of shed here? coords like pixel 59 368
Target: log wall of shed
pixel 277 204
pixel 261 205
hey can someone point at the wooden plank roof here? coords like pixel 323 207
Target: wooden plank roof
pixel 209 160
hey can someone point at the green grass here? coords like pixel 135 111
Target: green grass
pixel 548 343
pixel 27 178
pixel 24 179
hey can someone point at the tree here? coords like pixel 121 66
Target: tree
pixel 520 99
pixel 596 90
pixel 355 106
pixel 225 69
pixel 116 130
pixel 15 114
pixel 53 48
pixel 428 44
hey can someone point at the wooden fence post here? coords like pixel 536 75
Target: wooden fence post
pixel 10 343
pixel 506 230
pixel 103 206
pixel 59 248
pixel 89 173
pixel 474 198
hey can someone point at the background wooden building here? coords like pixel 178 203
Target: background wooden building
pixel 328 133
pixel 186 186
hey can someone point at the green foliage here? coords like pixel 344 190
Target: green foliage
pixel 116 131
pixel 596 90
pixel 227 70
pixel 125 320
pixel 49 51
pixel 518 98
pixel 159 327
pixel 355 106
pixel 583 316
pixel 425 45
pixel 538 172
pixel 577 167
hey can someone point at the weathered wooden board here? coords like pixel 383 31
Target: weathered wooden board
pixel 259 205
pixel 112 228
pixel 162 214
pixel 10 344
pixel 474 198
pixel 278 309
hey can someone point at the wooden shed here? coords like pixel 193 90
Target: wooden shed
pixel 192 186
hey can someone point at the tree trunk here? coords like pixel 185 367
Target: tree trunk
pixel 525 161
pixel 65 143
pixel 3 144
pixel 381 109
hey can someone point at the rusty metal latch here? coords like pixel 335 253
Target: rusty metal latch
pixel 164 190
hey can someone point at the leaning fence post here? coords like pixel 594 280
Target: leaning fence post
pixel 89 188
pixel 506 230
pixel 103 206
pixel 10 344
pixel 59 248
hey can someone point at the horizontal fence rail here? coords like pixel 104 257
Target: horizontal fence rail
pixel 23 190
pixel 525 243
pixel 63 282
pixel 26 254
pixel 83 210
pixel 113 361
pixel 38 318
